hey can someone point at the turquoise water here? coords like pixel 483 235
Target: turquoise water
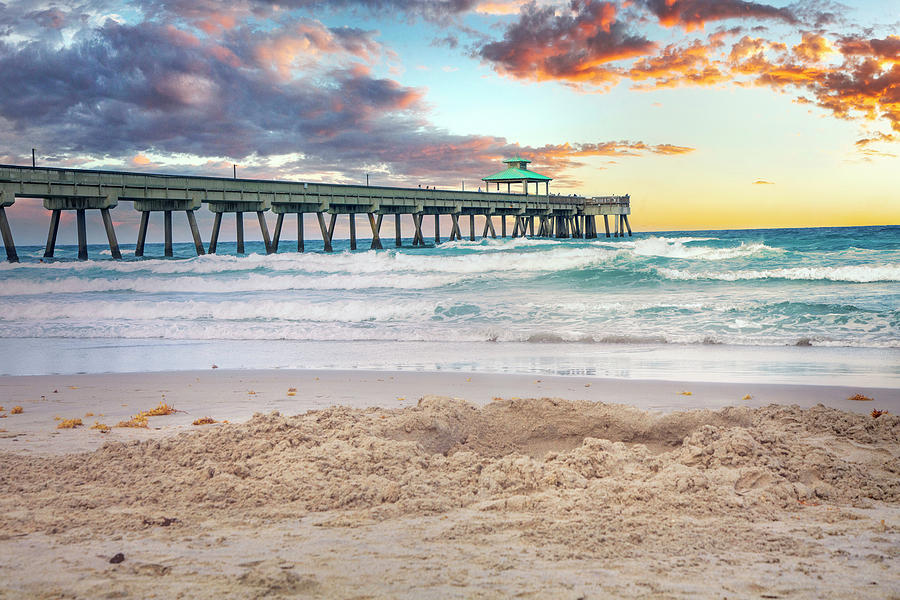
pixel 826 301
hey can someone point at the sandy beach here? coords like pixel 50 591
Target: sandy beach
pixel 370 485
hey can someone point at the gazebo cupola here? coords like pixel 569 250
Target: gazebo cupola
pixel 517 172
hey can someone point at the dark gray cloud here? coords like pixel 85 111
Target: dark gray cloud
pixel 692 14
pixel 125 88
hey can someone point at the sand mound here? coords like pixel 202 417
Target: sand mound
pixel 542 455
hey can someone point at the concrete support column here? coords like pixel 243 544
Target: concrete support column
pixel 264 229
pixel 418 238
pixel 375 224
pixel 195 232
pixel 51 235
pixel 503 226
pixel 398 233
pixel 472 228
pixel 606 224
pixel 276 236
pixel 214 238
pixel 240 232
pixel 8 243
pixel 352 231
pixel 142 234
pixel 167 222
pixel 437 229
pixel 300 244
pixel 82 234
pixel 110 234
pixel 627 224
pixel 326 238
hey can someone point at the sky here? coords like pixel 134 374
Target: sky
pixel 710 113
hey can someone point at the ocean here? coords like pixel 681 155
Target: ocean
pixel 779 305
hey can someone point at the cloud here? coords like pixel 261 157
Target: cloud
pixel 694 14
pixel 299 100
pixel 432 10
pixel 763 182
pixel 691 64
pixel 576 45
pixel 866 83
pixel 164 89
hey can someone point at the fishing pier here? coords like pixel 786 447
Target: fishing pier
pixel 83 191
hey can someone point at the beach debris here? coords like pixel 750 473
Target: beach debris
pixel 587 385
pixel 15 410
pixel 251 393
pixel 204 421
pixel 88 414
pixel 2 409
pixel 877 413
pixel 747 397
pixel 400 398
pixel 292 392
pixel 55 391
pixel 119 557
pixel 687 393
pixel 101 427
pixel 215 366
pixel 2 416
pixel 43 397
pixel 69 424
pixel 161 522
pixel 468 379
pixel 860 398
pixel 140 420
pixel 73 387
pixel 804 342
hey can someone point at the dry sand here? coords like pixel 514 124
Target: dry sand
pixel 531 498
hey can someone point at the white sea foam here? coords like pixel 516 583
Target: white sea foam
pixel 849 273
pixel 251 282
pixel 95 312
pixel 675 248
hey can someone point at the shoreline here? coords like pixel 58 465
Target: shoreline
pixel 235 395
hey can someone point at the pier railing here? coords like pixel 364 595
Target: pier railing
pixel 81 189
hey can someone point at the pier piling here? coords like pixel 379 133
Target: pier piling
pixel 300 244
pixel 352 231
pixel 398 233
pixel 214 238
pixel 418 238
pixel 264 229
pixel 375 224
pixel 239 224
pixel 51 234
pixel 167 227
pixel 82 234
pixel 276 235
pixel 6 232
pixel 326 232
pixel 111 233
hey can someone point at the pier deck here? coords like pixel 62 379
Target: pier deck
pixel 81 190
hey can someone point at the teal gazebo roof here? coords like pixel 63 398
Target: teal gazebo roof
pixel 516 172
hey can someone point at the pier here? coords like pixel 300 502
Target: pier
pixel 84 191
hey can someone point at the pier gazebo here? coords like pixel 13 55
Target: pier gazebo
pixel 517 172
